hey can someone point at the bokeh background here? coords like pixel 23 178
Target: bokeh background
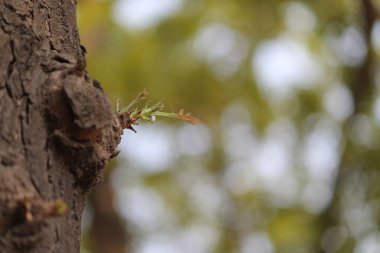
pixel 287 156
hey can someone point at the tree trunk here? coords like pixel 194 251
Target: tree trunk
pixel 57 130
pixel 362 89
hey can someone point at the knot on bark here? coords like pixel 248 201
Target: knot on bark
pixel 85 158
pixel 84 131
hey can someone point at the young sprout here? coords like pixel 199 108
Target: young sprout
pixel 141 96
pixel 129 115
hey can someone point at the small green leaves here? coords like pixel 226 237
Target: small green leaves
pixel 141 96
pixel 129 115
pixel 180 115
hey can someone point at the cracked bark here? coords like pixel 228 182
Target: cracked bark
pixel 57 130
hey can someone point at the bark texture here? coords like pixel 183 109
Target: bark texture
pixel 57 129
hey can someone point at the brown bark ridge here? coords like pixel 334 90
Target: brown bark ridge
pixel 57 129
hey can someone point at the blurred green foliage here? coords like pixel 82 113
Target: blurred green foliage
pixel 288 168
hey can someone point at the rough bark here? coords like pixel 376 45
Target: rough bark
pixel 57 130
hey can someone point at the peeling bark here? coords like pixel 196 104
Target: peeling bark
pixel 57 130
